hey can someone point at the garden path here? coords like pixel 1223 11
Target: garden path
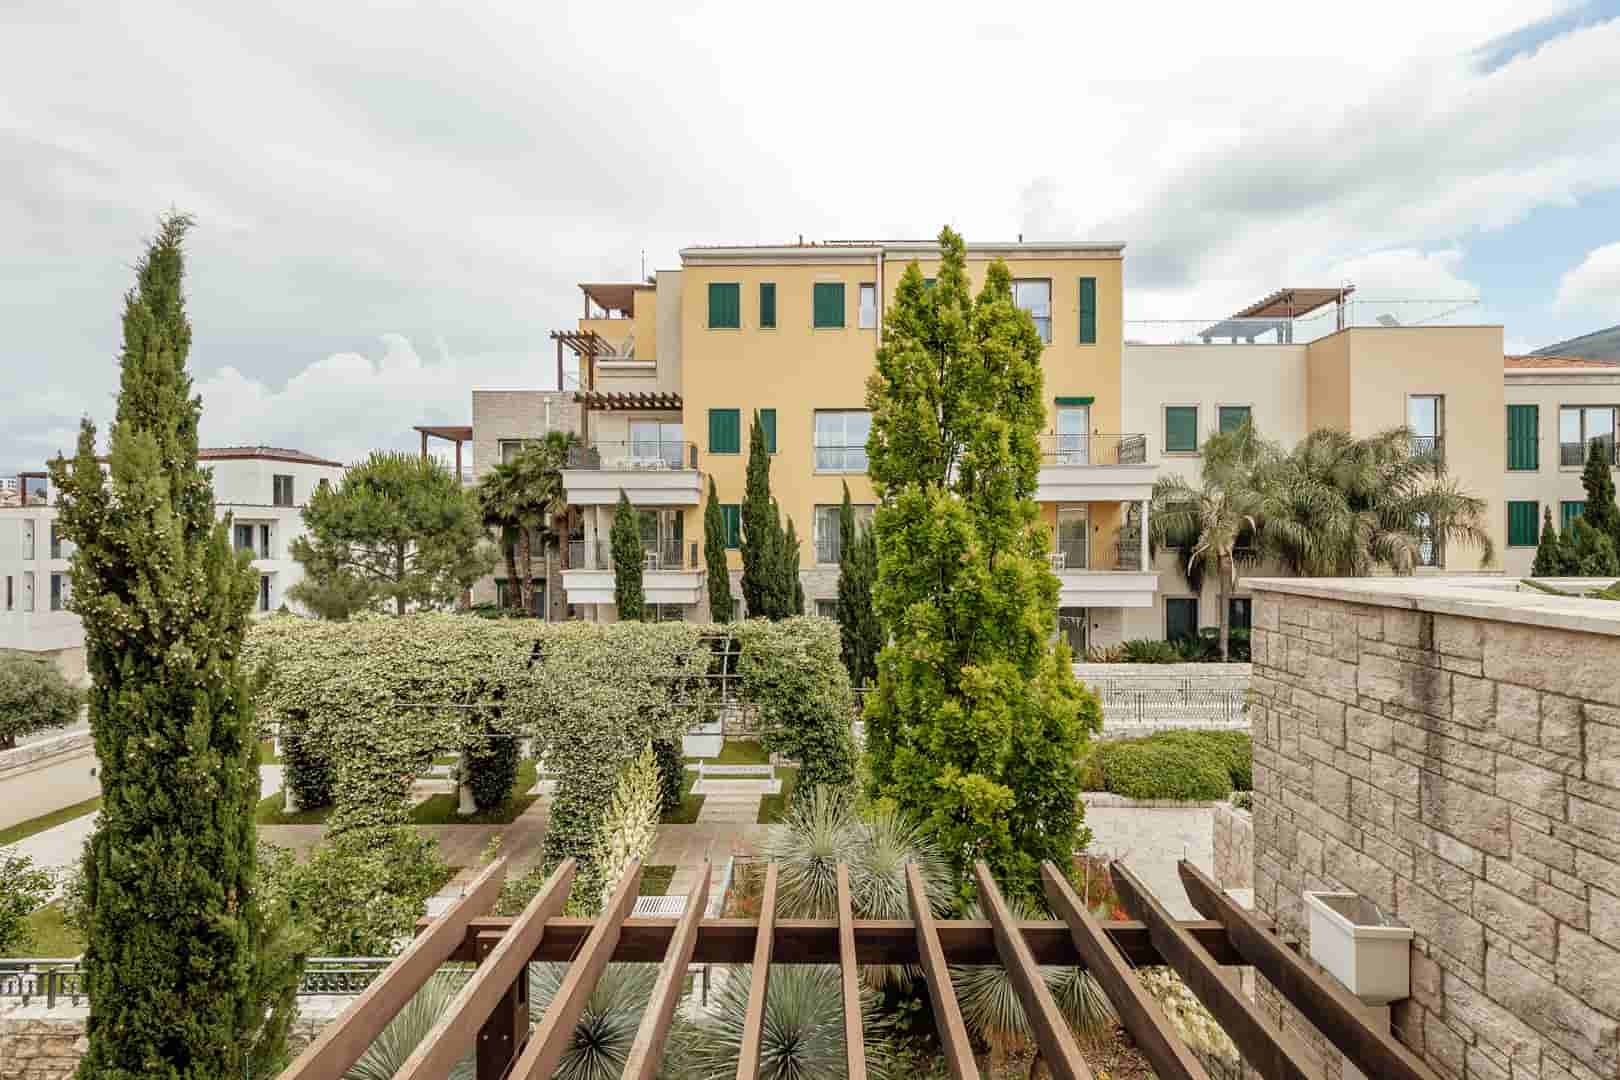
pixel 686 846
pixel 1150 840
pixel 729 809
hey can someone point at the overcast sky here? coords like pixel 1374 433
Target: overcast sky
pixel 395 200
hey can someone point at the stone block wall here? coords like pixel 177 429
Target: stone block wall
pixel 1454 755
pixel 1234 846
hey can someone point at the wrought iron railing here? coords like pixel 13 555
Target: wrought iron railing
pixel 63 979
pixel 1188 700
pixel 1573 454
pixel 1093 449
pixel 1430 447
pixel 635 454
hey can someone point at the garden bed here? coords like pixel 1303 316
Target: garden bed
pixel 441 809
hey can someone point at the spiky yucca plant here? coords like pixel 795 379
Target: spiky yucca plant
pixel 804 1028
pixel 606 1029
pixel 405 1032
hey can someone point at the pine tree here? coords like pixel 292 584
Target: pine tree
pixel 189 971
pixel 859 635
pixel 792 584
pixel 1549 551
pixel 977 724
pixel 628 561
pixel 1601 513
pixel 761 530
pixel 714 556
pixel 1590 552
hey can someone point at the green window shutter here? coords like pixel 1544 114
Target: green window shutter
pixel 1523 431
pixel 1524 523
pixel 725 431
pixel 731 514
pixel 1181 429
pixel 1568 511
pixel 1088 311
pixel 829 304
pixel 767 304
pixel 725 305
pixel 767 420
pixel 1233 416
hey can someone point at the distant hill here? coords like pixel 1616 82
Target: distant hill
pixel 1598 345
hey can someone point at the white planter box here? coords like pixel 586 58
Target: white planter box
pixel 1366 950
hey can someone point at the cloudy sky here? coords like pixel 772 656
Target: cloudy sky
pixel 395 199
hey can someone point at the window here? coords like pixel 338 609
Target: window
pixel 661 539
pixel 10 593
pixel 1073 435
pixel 1523 438
pixel 829 539
pixel 829 305
pixel 264 592
pixel 242 538
pixel 767 305
pixel 511 448
pixel 59 592
pixel 841 440
pixel 731 515
pixel 1524 519
pixel 767 420
pixel 505 595
pixel 264 541
pixel 663 613
pixel 1073 538
pixel 1239 619
pixel 283 490
pixel 657 441
pixel 867 314
pixel 725 431
pixel 28 590
pixel 1578 427
pixel 1181 429
pixel 827 609
pixel 1034 295
pixel 56 542
pixel 1568 511
pixel 725 305
pixel 1180 618
pixel 1232 417
pixel 1426 416
pixel 1088 311
pixel 1073 622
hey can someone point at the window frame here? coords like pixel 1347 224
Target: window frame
pixel 1221 409
pixel 276 483
pixel 1164 420
pixel 1082 310
pixel 763 286
pixel 1535 436
pixel 1046 331
pixel 816 290
pixel 1614 432
pixel 1535 522
pixel 59 591
pixel 862 290
pixel 864 515
pixel 736 416
pixel 736 295
pixel 845 448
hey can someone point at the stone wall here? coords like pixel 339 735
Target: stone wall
pixel 43 776
pixel 1233 842
pixel 1453 754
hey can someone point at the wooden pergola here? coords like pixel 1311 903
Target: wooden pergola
pixel 489 1017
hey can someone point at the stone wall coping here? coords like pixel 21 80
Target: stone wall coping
pixel 1443 597
pixel 1162 671
pixel 1109 799
pixel 30 752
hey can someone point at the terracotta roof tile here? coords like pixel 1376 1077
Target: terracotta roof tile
pixel 1523 362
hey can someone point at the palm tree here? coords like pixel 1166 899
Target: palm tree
pixel 498 506
pixel 522 499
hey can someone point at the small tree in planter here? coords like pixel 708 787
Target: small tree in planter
pixel 33 697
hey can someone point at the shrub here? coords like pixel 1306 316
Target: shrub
pixel 492 766
pixel 33 697
pixel 1233 749
pixel 1190 765
pixel 309 774
pixel 23 887
pixel 1149 651
pixel 1243 800
pixel 360 893
pixel 671 774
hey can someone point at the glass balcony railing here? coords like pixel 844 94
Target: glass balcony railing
pixel 1298 330
pixel 1093 449
pixel 637 454
pixel 1572 455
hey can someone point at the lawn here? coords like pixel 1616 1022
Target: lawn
pixel 28 828
pixel 441 809
pixel 655 879
pixel 270 812
pixel 267 752
pixel 773 807
pixel 687 812
pixel 50 936
pixel 738 752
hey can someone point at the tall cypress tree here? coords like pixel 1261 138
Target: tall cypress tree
pixel 859 635
pixel 714 557
pixel 1549 551
pixel 189 973
pixel 761 530
pixel 792 584
pixel 628 561
pixel 1601 513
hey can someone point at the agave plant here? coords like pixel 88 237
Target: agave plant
pixel 389 1050
pixel 819 832
pixel 606 1029
pixel 803 1035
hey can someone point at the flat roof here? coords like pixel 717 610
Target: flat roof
pixel 267 453
pixel 613 295
pixel 836 249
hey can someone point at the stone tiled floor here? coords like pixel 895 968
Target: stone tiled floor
pixel 729 809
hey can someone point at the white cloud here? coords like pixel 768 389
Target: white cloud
pixel 1594 285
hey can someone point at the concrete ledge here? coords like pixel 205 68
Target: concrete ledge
pixel 32 752
pixel 1119 802
pixel 1451 597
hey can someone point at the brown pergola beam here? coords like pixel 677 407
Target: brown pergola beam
pixel 458 1030
pixel 753 1033
pixel 647 1052
pixel 1058 1048
pixel 849 978
pixel 1237 1015
pixel 1331 1008
pixel 550 1038
pixel 1138 1012
pixel 342 1042
pixel 953 1037
pixel 877 941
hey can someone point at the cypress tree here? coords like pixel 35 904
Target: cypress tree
pixel 714 557
pixel 859 635
pixel 1601 513
pixel 792 584
pixel 189 970
pixel 628 561
pixel 1549 553
pixel 761 530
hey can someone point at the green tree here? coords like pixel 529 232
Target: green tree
pixel 977 723
pixel 1550 559
pixel 792 585
pixel 401 525
pixel 498 501
pixel 1597 478
pixel 188 972
pixel 538 497
pixel 761 532
pixel 24 887
pixel 1589 551
pixel 33 697
pixel 628 561
pixel 860 637
pixel 721 603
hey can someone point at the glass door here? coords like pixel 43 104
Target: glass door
pixel 1073 536
pixel 1073 435
pixel 1073 624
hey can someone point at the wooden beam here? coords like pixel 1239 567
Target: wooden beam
pixel 877 941
pixel 850 976
pixel 1236 1014
pixel 953 1037
pixel 1138 1012
pixel 342 1042
pixel 457 1031
pixel 550 1037
pixel 1058 1048
pixel 753 1033
pixel 1330 1007
pixel 646 1053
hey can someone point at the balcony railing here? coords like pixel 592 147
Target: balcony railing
pixel 1068 555
pixel 1093 449
pixel 1429 447
pixel 1128 552
pixel 650 454
pixel 1283 330
pixel 656 555
pixel 841 459
pixel 1573 454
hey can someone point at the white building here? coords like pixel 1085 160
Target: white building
pixel 263 488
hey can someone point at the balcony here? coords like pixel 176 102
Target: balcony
pixel 1312 321
pixel 1430 448
pixel 1095 468
pixel 1080 586
pixel 650 472
pixel 1572 455
pixel 671 572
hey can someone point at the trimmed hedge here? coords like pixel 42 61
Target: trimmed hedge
pixel 1202 766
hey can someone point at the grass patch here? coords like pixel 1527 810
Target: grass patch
pixel 28 828
pixel 738 752
pixel 655 879
pixel 50 935
pixel 270 812
pixel 773 808
pixel 441 809
pixel 267 752
pixel 687 812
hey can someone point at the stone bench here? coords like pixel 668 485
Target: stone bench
pixel 736 780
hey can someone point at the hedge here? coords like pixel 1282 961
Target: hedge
pixel 1203 766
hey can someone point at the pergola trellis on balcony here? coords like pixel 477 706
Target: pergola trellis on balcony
pixel 489 1017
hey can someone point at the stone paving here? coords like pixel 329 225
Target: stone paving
pixel 1151 840
pixel 730 809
